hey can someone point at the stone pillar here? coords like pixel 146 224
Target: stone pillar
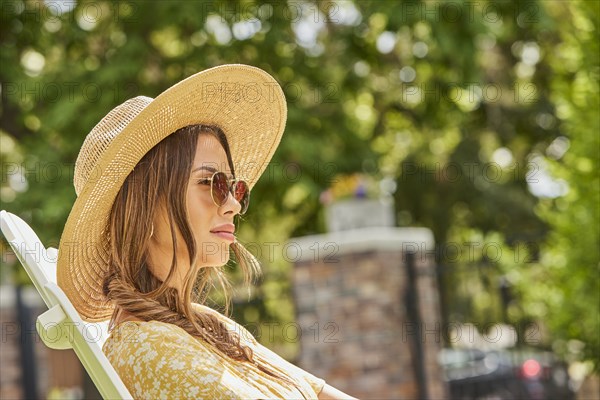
pixel 350 293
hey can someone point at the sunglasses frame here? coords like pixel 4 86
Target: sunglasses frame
pixel 230 187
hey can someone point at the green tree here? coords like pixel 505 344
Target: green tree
pixel 563 288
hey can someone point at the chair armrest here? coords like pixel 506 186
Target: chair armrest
pixel 52 328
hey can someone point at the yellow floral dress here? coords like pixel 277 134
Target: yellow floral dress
pixel 157 360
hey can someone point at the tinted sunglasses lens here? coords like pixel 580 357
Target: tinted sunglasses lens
pixel 242 195
pixel 220 188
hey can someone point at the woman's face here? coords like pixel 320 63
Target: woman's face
pixel 204 215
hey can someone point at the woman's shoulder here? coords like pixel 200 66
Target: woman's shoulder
pixel 160 360
pixel 134 329
pixel 131 336
pixel 128 336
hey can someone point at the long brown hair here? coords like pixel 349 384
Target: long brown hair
pixel 160 179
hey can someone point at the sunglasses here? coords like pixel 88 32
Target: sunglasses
pixel 221 186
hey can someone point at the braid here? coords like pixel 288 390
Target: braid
pixel 211 329
pixel 163 309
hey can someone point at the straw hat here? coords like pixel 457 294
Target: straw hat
pixel 244 101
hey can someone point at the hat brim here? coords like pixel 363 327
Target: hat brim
pixel 245 102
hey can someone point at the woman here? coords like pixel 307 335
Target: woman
pixel 159 183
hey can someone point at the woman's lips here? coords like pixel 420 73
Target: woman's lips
pixel 225 235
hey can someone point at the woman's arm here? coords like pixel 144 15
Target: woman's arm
pixel 331 393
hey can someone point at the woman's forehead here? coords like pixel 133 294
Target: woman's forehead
pixel 210 169
pixel 210 143
pixel 210 156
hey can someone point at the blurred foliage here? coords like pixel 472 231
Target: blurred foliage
pixel 562 287
pixel 468 106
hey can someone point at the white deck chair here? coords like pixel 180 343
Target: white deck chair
pixel 61 327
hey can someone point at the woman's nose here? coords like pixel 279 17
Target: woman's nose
pixel 231 204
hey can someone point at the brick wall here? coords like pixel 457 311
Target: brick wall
pixel 349 290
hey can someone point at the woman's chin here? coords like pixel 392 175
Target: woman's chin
pixel 215 261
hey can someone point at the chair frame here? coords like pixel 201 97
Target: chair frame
pixel 61 327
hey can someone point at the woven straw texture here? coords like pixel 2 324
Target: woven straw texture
pixel 244 101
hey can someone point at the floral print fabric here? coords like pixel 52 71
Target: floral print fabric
pixel 157 360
